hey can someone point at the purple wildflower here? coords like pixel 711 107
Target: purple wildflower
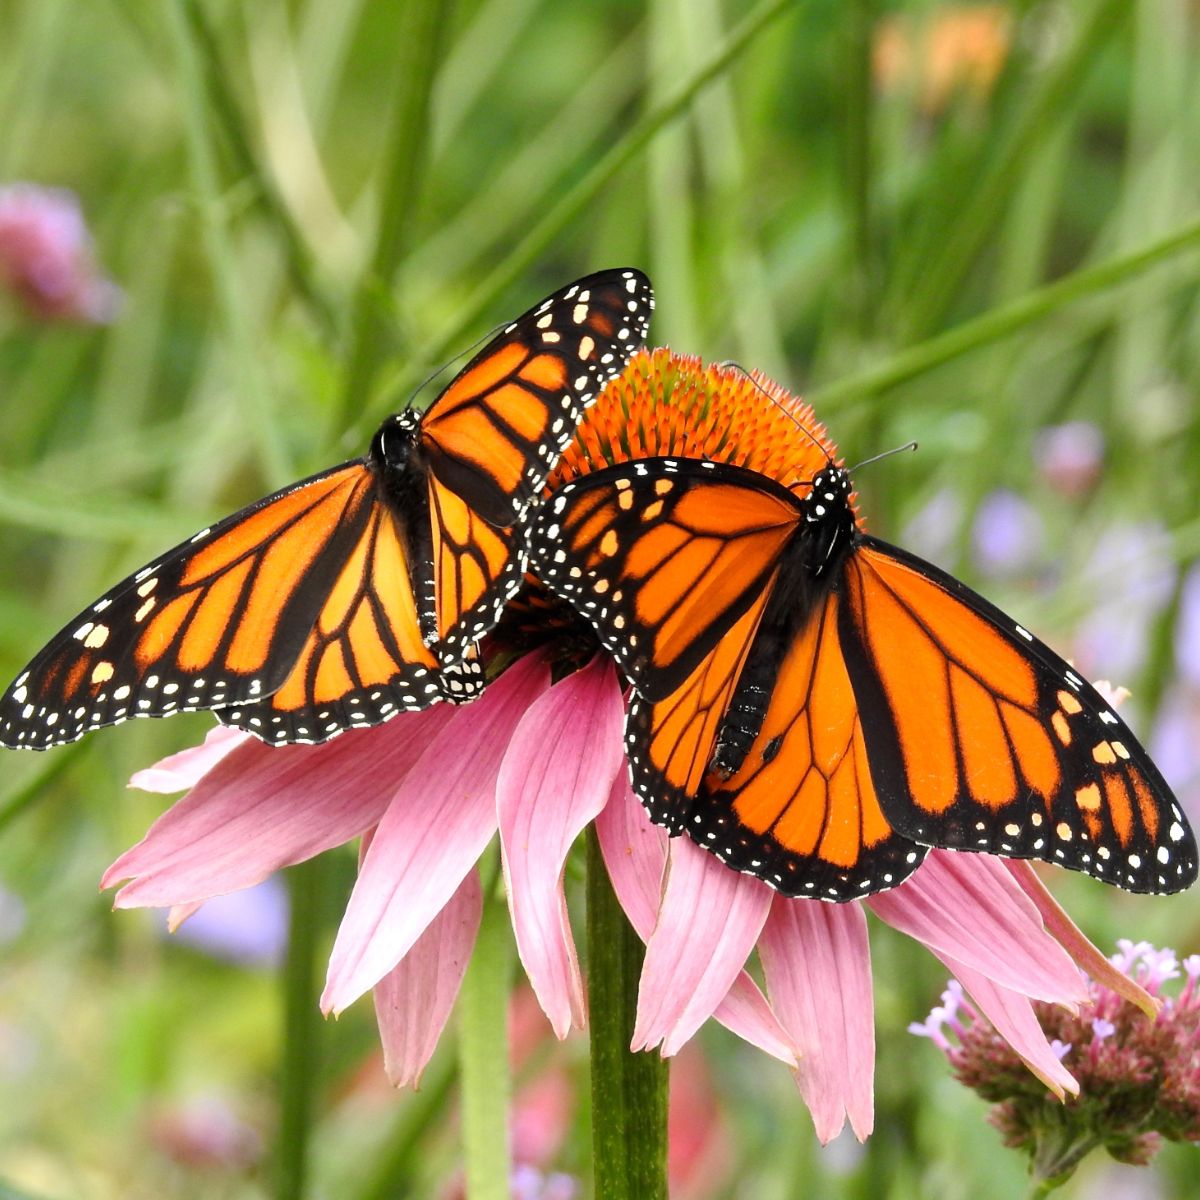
pixel 46 257
pixel 248 927
pixel 1007 538
pixel 1132 575
pixel 1138 1076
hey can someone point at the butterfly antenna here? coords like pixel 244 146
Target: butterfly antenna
pixel 736 366
pixel 866 462
pixel 487 337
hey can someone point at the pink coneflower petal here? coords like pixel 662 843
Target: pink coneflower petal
pixel 413 1001
pixel 818 969
pixel 970 907
pixel 265 807
pixel 178 913
pixel 708 922
pixel 556 777
pixel 178 772
pixel 635 853
pixel 437 825
pixel 1071 938
pixel 1013 1016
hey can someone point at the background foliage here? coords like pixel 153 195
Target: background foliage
pixel 311 206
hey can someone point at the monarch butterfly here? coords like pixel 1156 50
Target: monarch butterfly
pixel 360 591
pixel 817 707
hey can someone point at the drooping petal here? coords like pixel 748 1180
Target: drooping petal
pixel 178 772
pixel 413 1001
pixel 265 807
pixel 438 823
pixel 708 922
pixel 178 913
pixel 555 778
pixel 970 907
pixel 818 969
pixel 1071 938
pixel 1013 1016
pixel 635 853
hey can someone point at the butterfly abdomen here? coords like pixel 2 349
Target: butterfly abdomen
pixel 808 569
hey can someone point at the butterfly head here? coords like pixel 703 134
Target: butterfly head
pixel 829 518
pixel 394 441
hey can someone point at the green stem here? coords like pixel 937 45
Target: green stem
pixel 37 785
pixel 483 1055
pixel 421 25
pixel 235 127
pixel 859 26
pixel 989 193
pixel 301 1028
pixel 629 1091
pixel 1002 321
pixel 219 248
pixel 398 1172
pixel 559 215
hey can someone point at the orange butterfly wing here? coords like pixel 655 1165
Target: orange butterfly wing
pixel 364 658
pixel 802 811
pixel 662 565
pixel 218 622
pixel 982 738
pixel 492 437
pixel 897 710
pixel 674 563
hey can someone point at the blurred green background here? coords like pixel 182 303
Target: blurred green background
pixel 930 218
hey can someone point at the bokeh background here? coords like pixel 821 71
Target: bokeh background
pixel 930 218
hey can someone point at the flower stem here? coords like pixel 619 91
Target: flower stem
pixel 483 1055
pixel 629 1091
pixel 218 244
pixel 557 216
pixel 301 1028
pixel 1003 320
pixel 420 34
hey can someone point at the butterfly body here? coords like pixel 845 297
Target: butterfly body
pixel 809 565
pixel 360 591
pixel 818 708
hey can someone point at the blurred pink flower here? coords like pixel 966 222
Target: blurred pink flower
pixel 1070 457
pixel 46 257
pixel 204 1132
pixel 538 763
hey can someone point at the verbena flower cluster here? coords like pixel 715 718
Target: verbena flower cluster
pixel 1137 1076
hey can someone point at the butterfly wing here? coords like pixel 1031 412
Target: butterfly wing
pixel 664 556
pixel 222 619
pixel 802 811
pixel 493 436
pixel 981 738
pixel 364 658
pixel 675 563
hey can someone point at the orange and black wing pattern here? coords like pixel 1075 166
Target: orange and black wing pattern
pixel 491 439
pixel 495 433
pixel 672 561
pixel 221 621
pixel 665 557
pixel 802 811
pixel 818 709
pixel 981 738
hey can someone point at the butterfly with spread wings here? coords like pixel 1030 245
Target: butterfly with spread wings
pixel 359 592
pixel 818 708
